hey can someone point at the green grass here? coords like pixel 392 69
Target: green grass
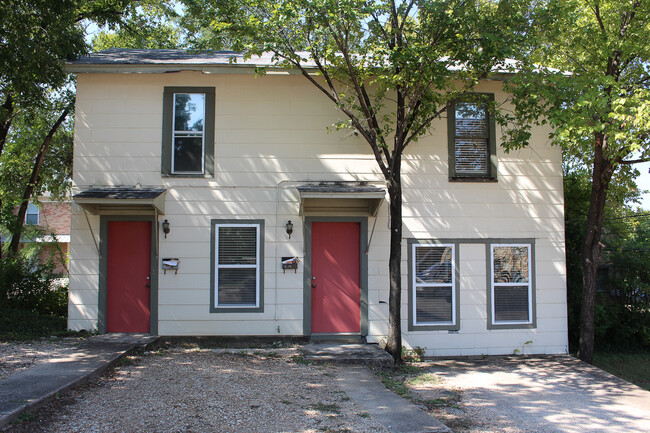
pixel 633 367
pixel 423 379
pixel 327 408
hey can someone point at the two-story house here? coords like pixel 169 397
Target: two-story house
pixel 209 200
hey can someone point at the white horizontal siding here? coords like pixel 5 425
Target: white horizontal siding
pixel 271 134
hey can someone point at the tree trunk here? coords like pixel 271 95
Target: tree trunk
pixel 31 184
pixel 394 342
pixel 6 116
pixel 591 248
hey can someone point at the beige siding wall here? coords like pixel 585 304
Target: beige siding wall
pixel 271 135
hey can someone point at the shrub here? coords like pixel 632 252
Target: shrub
pixel 29 288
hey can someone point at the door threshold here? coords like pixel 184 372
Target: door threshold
pixel 339 338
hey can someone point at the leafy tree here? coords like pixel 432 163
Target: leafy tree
pixel 617 225
pixel 36 38
pixel 388 66
pixel 599 107
pixel 154 27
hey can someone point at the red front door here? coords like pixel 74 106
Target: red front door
pixel 336 290
pixel 127 281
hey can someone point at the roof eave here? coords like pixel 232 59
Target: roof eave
pixel 232 68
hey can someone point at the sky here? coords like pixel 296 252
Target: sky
pixel 643 181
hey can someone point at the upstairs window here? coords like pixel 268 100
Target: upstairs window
pixel 188 135
pixel 472 143
pixel 188 141
pixel 31 216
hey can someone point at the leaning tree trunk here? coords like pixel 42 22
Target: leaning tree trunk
pixel 591 248
pixel 394 342
pixel 33 180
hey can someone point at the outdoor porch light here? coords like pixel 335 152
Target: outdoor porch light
pixel 289 228
pixel 165 226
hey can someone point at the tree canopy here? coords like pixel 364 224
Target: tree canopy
pixel 390 67
pixel 597 98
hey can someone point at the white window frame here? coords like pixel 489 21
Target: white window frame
pixel 38 214
pixel 218 266
pixel 451 285
pixel 188 133
pixel 516 284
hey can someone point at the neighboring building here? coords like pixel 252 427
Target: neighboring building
pixel 52 221
pixel 226 159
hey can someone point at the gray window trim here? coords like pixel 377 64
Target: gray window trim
pixel 491 176
pixel 530 243
pixel 412 326
pixel 213 271
pixel 168 135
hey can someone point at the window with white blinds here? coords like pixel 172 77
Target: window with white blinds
pixel 434 296
pixel 471 142
pixel 237 265
pixel 511 284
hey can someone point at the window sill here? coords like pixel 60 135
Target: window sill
pixel 237 310
pixel 187 176
pixel 497 326
pixel 473 179
pixel 416 328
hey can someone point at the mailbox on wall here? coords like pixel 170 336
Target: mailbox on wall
pixel 170 265
pixel 290 263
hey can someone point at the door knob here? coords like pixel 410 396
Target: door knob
pixel 148 285
pixel 313 282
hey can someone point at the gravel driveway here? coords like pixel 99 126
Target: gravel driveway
pixel 537 394
pixel 181 390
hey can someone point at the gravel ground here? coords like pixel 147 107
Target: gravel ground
pixel 16 356
pixel 181 390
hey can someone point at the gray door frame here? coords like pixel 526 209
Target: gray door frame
pixel 103 269
pixel 363 271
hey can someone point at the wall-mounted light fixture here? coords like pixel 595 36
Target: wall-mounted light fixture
pixel 165 227
pixel 289 228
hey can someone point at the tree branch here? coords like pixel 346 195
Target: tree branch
pixel 634 161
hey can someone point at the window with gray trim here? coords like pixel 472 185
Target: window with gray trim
pixel 433 284
pixel 511 284
pixel 472 140
pixel 188 132
pixel 237 265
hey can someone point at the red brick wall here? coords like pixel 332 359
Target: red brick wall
pixel 55 217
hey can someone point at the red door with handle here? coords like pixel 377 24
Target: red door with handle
pixel 335 267
pixel 128 279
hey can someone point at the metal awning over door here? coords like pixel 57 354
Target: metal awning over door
pixel 97 200
pixel 338 198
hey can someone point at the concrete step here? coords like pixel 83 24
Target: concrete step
pixel 345 353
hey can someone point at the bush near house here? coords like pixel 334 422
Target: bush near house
pixel 33 301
